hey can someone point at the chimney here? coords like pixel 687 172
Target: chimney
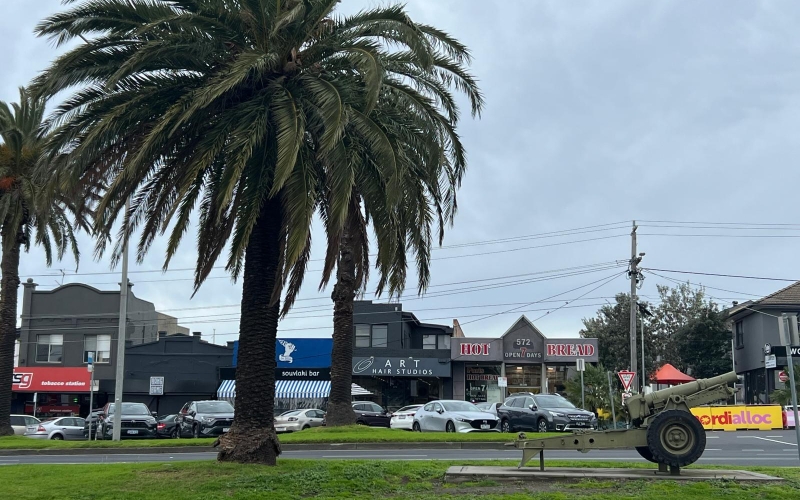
pixel 457 331
pixel 197 334
pixel 735 303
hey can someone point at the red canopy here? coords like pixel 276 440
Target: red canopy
pixel 668 374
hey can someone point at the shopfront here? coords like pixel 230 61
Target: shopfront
pixel 529 361
pixel 402 380
pixel 51 391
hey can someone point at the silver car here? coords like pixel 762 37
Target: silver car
pixel 60 428
pixel 298 420
pixel 20 423
pixel 489 407
pixel 453 416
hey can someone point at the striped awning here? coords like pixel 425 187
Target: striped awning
pixel 292 389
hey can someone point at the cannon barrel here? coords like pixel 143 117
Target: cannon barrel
pixel 640 401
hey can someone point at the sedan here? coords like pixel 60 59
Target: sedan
pixel 62 428
pixel 20 423
pixel 404 417
pixel 299 420
pixel 453 416
pixel 167 426
pixel 489 407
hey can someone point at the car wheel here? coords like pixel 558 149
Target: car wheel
pixel 541 425
pixel 57 437
pixel 360 422
pixel 416 428
pixel 306 427
pixel 174 433
pixel 505 426
pixel 196 431
pixel 450 427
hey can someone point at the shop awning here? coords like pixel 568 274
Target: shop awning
pixel 292 389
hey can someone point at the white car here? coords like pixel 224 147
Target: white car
pixel 489 407
pixel 453 416
pixel 59 428
pixel 298 420
pixel 404 417
pixel 20 423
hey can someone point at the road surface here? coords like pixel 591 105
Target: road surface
pixel 764 448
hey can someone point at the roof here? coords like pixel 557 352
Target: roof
pixel 668 374
pixel 785 296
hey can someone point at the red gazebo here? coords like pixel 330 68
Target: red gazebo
pixel 668 374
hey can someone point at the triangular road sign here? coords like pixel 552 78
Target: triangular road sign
pixel 626 377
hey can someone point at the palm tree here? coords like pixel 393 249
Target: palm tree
pixel 28 209
pixel 423 136
pixel 235 108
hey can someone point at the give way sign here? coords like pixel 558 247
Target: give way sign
pixel 626 377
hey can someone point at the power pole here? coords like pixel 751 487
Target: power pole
pixel 633 273
pixel 123 323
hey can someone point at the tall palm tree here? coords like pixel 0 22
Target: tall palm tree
pixel 29 211
pixel 423 136
pixel 235 108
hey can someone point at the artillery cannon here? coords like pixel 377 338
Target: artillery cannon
pixel 663 429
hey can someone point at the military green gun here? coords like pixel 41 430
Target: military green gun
pixel 663 429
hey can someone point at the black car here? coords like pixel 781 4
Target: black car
pixel 91 423
pixel 543 413
pixel 369 413
pixel 137 421
pixel 205 418
pixel 167 426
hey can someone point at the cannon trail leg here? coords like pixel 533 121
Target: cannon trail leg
pixel 527 455
pixel 541 460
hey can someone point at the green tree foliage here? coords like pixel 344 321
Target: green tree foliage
pixel 704 344
pixel 783 396
pixel 678 306
pixel 596 392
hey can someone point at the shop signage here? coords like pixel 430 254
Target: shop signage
pixel 303 352
pixel 770 361
pixel 523 343
pixel 401 366
pixel 156 386
pixel 780 350
pixel 570 350
pixel 473 349
pixel 50 379
pixel 731 418
pixel 302 373
pixel 502 382
pixel 479 373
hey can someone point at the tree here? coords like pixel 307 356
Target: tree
pixel 31 209
pixel 783 396
pixel 402 210
pixel 704 344
pixel 596 392
pixel 236 108
pixel 677 308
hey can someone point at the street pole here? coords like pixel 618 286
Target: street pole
pixel 123 320
pixel 90 367
pixel 583 399
pixel 733 364
pixel 787 337
pixel 611 395
pixel 634 276
pixel 644 377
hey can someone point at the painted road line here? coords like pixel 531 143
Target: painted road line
pixel 752 450
pixel 713 449
pixel 375 456
pixel 773 440
pixel 712 437
pixel 779 437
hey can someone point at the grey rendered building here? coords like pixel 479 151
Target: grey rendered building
pixel 754 324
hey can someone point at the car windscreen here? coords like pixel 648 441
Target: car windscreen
pixel 409 408
pixel 484 406
pixel 459 406
pixel 553 402
pixel 214 407
pixel 131 409
pixel 292 413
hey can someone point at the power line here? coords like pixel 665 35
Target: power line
pixel 721 223
pixel 723 235
pixel 720 275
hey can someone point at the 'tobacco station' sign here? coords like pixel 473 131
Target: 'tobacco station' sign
pixel 732 418
pixel 49 379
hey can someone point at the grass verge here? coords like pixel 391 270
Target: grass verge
pixel 338 479
pixel 350 434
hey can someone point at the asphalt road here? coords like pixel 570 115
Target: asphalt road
pixel 765 448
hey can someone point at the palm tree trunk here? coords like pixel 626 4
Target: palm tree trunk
pixel 252 437
pixel 9 266
pixel 340 410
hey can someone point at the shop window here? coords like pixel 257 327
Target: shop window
pixel 739 334
pixel 429 341
pixel 444 342
pixel 49 348
pixel 99 346
pixel 372 335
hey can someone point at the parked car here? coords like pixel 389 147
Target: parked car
pixel 136 420
pixel 404 417
pixel 453 416
pixel 543 413
pixel 489 407
pixel 205 418
pixel 58 428
pixel 369 413
pixel 167 426
pixel 788 417
pixel 299 420
pixel 92 420
pixel 20 423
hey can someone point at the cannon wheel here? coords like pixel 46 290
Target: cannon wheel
pixel 676 438
pixel 645 452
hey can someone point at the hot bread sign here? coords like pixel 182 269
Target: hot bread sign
pixel 567 350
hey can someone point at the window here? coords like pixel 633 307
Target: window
pixel 436 342
pixel 437 407
pixel 444 342
pixel 99 346
pixel 372 335
pixel 48 348
pixel 518 403
pixel 739 334
pixel 428 407
pixel 18 421
pixel 376 408
pixel 429 341
pixel 528 402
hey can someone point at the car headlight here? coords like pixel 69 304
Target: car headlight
pixel 461 419
pixel 557 414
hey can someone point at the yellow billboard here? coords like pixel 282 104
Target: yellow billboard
pixel 732 418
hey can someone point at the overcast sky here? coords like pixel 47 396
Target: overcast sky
pixel 597 113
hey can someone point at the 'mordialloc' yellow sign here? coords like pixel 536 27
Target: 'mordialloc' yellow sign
pixel 731 418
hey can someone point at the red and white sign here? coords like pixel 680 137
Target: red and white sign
pixel 783 377
pixel 50 379
pixel 626 378
pixel 480 349
pixel 571 350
